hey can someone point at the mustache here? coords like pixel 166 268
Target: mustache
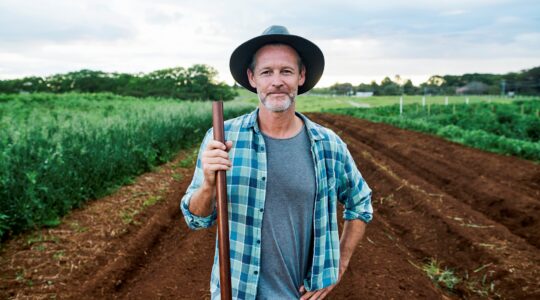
pixel 278 92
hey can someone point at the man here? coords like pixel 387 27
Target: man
pixel 284 175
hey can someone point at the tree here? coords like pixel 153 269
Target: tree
pixel 409 88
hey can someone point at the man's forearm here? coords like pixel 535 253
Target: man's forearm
pixel 353 231
pixel 203 201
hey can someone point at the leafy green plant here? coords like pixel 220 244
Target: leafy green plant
pixel 151 201
pixel 444 278
pixel 511 129
pixel 58 151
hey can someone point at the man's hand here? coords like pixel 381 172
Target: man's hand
pixel 322 293
pixel 213 158
pixel 353 231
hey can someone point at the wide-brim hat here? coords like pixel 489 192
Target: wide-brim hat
pixel 312 57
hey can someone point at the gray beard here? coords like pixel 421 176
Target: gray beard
pixel 277 108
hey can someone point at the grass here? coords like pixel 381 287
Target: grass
pixel 151 201
pixel 447 279
pixel 318 103
pixel 177 176
pixel 189 161
pixel 443 278
pixel 59 150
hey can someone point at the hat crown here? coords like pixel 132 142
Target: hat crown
pixel 276 29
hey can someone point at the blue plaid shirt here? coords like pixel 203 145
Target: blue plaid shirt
pixel 337 178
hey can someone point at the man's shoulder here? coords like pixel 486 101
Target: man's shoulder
pixel 242 121
pixel 320 132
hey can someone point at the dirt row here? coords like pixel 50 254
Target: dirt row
pixel 476 212
pixel 436 202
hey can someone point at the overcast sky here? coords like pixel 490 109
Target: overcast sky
pixel 361 40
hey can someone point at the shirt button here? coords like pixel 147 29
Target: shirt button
pixel 263 178
pixel 262 148
pixel 261 210
pixel 255 272
pixel 258 241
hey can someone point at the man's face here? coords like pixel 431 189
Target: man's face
pixel 276 76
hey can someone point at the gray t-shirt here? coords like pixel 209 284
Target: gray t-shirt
pixel 286 246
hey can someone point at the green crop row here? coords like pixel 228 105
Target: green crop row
pixel 58 151
pixel 511 129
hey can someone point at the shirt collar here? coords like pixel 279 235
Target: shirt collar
pixel 314 131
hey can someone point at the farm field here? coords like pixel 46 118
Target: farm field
pixel 317 103
pixel 507 128
pixel 450 222
pixel 57 151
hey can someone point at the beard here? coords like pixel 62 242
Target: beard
pixel 277 105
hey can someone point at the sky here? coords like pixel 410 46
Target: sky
pixel 361 40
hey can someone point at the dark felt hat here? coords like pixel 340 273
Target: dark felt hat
pixel 312 57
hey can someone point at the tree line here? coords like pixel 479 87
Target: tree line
pixel 197 82
pixel 526 82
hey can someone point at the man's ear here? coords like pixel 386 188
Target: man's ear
pixel 250 77
pixel 302 76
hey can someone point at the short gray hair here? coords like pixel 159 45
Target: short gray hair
pixel 251 65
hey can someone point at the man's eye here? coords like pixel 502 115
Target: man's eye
pixel 265 72
pixel 287 71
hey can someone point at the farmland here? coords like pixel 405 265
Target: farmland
pixel 506 128
pixel 450 221
pixel 58 151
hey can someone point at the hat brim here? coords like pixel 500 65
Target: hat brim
pixel 312 58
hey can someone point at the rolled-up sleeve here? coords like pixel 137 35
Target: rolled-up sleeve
pixel 194 221
pixel 354 192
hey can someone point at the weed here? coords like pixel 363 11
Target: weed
pixel 58 255
pixel 40 247
pixel 442 278
pixel 482 287
pixel 189 160
pixel 128 215
pixel 151 201
pixel 177 176
pixel 40 238
pixel 77 227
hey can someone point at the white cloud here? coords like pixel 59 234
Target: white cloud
pixel 362 40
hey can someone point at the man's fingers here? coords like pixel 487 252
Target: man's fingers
pixel 307 295
pixel 326 291
pixel 215 153
pixel 302 289
pixel 318 295
pixel 216 167
pixel 216 161
pixel 315 295
pixel 213 144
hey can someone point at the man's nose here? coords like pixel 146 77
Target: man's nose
pixel 277 81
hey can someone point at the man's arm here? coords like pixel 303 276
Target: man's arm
pixel 214 158
pixel 353 231
pixel 198 204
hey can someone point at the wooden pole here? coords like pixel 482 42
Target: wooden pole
pixel 223 218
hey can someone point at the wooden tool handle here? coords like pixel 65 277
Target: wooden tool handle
pixel 223 218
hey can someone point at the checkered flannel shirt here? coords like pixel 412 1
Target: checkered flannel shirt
pixel 337 178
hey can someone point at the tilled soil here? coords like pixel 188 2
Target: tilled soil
pixel 460 209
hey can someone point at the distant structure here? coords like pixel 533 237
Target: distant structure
pixel 363 94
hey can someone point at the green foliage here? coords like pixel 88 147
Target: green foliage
pixel 197 82
pixel 512 129
pixel 525 82
pixel 444 278
pixel 58 151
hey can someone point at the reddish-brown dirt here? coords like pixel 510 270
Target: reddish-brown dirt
pixel 468 211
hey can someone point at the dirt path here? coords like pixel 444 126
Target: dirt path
pixel 435 201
